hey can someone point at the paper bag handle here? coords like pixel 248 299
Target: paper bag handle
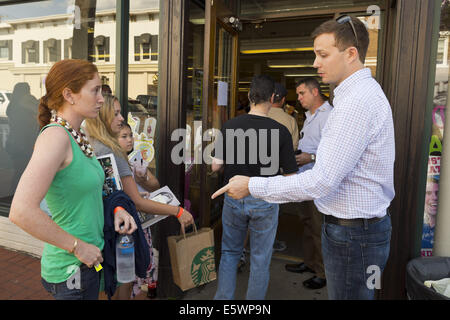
pixel 184 233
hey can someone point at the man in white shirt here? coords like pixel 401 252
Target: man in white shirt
pixel 278 114
pixel 311 98
pixel 351 182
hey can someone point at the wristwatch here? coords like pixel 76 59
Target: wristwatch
pixel 313 157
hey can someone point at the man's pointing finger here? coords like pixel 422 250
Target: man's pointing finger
pixel 220 191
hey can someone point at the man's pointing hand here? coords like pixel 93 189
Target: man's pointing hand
pixel 237 188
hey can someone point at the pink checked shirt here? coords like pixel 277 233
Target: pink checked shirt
pixel 353 176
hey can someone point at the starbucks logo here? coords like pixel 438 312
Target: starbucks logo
pixel 203 268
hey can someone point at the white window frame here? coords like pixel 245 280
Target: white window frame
pixel 445 36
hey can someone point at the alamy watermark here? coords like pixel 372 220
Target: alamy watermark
pixel 241 147
pixel 374 280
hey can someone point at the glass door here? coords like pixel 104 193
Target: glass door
pixel 219 94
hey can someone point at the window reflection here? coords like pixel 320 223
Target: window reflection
pixel 143 79
pixel 440 104
pixel 33 36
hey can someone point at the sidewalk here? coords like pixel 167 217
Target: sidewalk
pixel 20 274
pixel 20 277
pixel 20 280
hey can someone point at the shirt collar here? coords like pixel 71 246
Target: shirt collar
pixel 352 81
pixel 276 109
pixel 324 107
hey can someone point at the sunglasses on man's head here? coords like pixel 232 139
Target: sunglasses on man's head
pixel 344 19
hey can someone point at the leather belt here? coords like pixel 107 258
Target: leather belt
pixel 359 222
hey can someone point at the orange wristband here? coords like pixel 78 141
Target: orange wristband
pixel 118 209
pixel 180 212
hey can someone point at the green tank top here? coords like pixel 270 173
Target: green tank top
pixel 75 202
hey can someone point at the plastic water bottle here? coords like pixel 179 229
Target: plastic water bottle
pixel 125 258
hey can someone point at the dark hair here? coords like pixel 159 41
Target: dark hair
pixel 125 124
pixel 345 38
pixel 310 83
pixel 280 92
pixel 261 89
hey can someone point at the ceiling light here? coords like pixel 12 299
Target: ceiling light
pixel 276 45
pixel 300 75
pixel 302 63
pixel 259 51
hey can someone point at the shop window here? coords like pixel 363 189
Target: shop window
pixel 441 104
pixel 42 40
pixel 30 51
pixel 143 83
pixel 52 50
pixel 6 50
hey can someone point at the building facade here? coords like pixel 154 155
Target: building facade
pixel 30 46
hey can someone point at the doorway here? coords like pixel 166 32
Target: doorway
pixel 282 48
pixel 271 38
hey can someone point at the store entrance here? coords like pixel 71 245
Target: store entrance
pixel 282 48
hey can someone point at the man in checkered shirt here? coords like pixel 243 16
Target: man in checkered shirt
pixel 351 182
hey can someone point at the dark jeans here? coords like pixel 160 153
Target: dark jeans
pixel 83 285
pixel 354 258
pixel 260 218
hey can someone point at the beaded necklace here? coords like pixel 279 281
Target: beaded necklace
pixel 79 137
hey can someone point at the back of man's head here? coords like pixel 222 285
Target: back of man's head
pixel 280 92
pixel 261 89
pixel 345 38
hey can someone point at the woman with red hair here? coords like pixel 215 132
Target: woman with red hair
pixel 64 169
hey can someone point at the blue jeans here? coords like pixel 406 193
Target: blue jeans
pixel 83 285
pixel 354 258
pixel 261 219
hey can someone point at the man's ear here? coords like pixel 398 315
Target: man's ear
pixel 353 54
pixel 272 98
pixel 315 92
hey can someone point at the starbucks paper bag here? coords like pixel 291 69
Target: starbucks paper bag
pixel 192 258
